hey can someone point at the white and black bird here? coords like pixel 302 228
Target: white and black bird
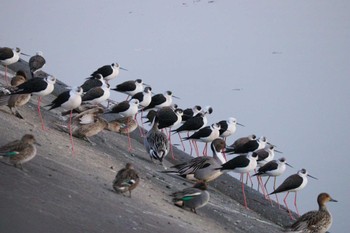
pixel 130 87
pixel 191 112
pixel 93 81
pixel 36 62
pixel 228 127
pixel 9 56
pixel 195 123
pixel 266 154
pixel 126 109
pixel 156 143
pixel 144 96
pixel 68 100
pixel 241 164
pixel 169 117
pixel 247 144
pixel 97 95
pixel 108 72
pixel 160 100
pixel 272 168
pixel 205 134
pixel 293 183
pixel 35 86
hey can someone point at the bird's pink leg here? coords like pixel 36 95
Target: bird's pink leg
pixel 285 202
pixel 188 134
pixel 205 149
pixel 244 197
pixel 140 129
pixel 295 204
pixel 195 147
pixel 182 143
pixel 274 188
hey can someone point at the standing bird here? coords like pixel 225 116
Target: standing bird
pixel 191 112
pixel 247 144
pixel 160 100
pixel 126 109
pixel 36 62
pixel 273 168
pixel 193 198
pixel 91 82
pixel 241 164
pixel 228 127
pixel 203 168
pixel 168 118
pixel 20 151
pixel 156 143
pixel 144 97
pixel 87 124
pixel 35 86
pixel 266 154
pixel 315 221
pixel 19 100
pixel 130 87
pixel 108 72
pixel 97 95
pixel 293 183
pixel 68 100
pixel 205 134
pixel 126 179
pixel 9 56
pixel 194 123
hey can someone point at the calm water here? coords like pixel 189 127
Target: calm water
pixel 290 60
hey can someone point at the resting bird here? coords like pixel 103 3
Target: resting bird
pixel 19 100
pixel 36 62
pixel 156 142
pixel 126 179
pixel 193 198
pixel 20 151
pixel 315 221
pixel 203 168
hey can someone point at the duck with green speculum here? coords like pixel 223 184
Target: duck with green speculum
pixel 192 198
pixel 20 151
pixel 126 179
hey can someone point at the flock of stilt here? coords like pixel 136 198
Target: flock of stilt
pixel 84 105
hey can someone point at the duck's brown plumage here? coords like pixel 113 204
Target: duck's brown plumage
pixel 20 151
pixel 315 221
pixel 126 180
